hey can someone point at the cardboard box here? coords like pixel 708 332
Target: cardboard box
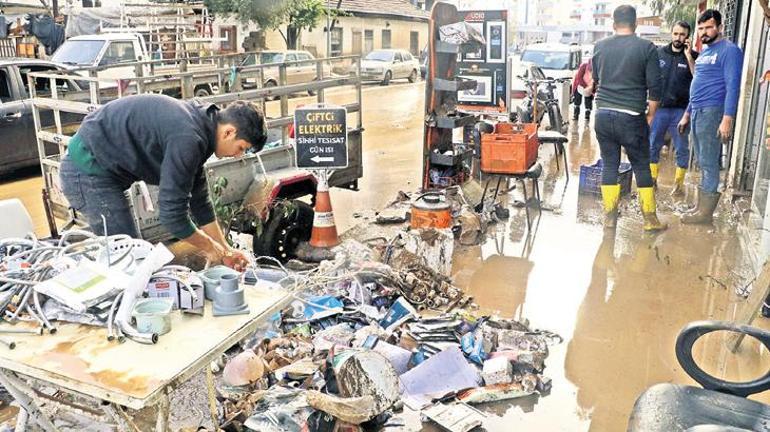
pixel 169 288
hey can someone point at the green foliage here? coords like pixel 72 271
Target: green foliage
pixel 674 10
pixel 296 15
pixel 234 214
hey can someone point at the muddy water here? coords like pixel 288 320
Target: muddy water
pixel 618 301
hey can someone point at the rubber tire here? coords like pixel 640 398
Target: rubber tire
pixel 554 118
pixel 413 76
pixel 201 92
pixel 271 84
pixel 388 77
pixel 281 235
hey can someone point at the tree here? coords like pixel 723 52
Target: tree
pixel 296 15
pixel 674 10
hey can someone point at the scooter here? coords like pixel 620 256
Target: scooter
pixel 546 102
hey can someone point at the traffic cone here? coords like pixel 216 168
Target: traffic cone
pixel 324 233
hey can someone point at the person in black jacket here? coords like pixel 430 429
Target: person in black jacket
pixel 677 65
pixel 161 141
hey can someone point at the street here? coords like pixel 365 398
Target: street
pixel 617 303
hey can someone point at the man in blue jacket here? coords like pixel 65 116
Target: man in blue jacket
pixel 713 104
pixel 162 141
pixel 677 64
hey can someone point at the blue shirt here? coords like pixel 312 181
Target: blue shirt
pixel 717 80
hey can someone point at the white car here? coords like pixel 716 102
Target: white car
pixel 385 65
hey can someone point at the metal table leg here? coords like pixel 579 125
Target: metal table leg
pixel 24 395
pixel 162 423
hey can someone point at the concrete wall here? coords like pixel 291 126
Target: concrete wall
pixel 315 40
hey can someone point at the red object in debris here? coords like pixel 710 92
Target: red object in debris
pixel 510 149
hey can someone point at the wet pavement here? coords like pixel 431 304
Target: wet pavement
pixel 618 301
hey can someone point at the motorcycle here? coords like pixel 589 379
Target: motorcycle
pixel 546 102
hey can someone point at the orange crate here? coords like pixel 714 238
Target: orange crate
pixel 510 149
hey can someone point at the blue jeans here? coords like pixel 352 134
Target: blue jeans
pixel 708 145
pixel 616 130
pixel 667 119
pixel 94 196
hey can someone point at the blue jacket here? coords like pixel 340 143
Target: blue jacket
pixel 717 80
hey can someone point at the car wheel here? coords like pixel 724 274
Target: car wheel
pixel 202 92
pixel 271 84
pixel 413 76
pixel 289 224
pixel 388 77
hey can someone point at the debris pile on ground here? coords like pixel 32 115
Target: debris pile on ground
pixel 363 339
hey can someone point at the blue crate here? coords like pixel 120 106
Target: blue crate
pixel 591 178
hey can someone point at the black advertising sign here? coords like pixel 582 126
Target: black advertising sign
pixel 321 137
pixel 488 65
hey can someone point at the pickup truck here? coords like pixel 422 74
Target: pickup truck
pixel 18 142
pixel 109 50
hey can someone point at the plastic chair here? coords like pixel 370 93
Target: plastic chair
pixel 17 222
pixel 720 406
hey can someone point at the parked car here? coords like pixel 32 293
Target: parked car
pixel 385 65
pixel 116 54
pixel 556 60
pixel 295 72
pixel 17 126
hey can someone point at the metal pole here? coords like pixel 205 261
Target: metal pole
pixel 328 30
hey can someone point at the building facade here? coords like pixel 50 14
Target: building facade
pixel 365 26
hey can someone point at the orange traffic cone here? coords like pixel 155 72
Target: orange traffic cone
pixel 324 230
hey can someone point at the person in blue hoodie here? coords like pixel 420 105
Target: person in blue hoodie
pixel 713 105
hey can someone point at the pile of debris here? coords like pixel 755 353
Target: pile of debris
pixel 362 339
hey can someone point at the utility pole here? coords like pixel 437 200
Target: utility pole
pixel 328 30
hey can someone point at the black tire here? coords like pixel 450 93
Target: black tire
pixel 202 92
pixel 388 77
pixel 271 83
pixel 413 76
pixel 554 118
pixel 288 225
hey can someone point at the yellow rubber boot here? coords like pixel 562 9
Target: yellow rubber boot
pixel 611 198
pixel 654 168
pixel 647 200
pixel 678 191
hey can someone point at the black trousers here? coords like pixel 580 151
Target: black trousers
pixel 579 99
pixel 616 130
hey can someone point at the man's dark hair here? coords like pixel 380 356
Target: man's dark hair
pixel 685 25
pixel 249 122
pixel 625 16
pixel 709 14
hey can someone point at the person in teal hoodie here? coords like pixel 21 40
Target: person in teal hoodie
pixel 713 105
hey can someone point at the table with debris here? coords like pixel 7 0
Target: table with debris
pixel 78 359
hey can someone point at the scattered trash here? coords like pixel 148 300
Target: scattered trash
pixel 494 393
pixel 399 313
pixel 456 417
pixel 497 371
pixel 351 410
pixel 445 372
pixel 243 369
pixel 325 340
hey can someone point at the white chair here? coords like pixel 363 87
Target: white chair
pixel 17 223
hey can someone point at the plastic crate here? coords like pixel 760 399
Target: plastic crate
pixel 591 178
pixel 510 149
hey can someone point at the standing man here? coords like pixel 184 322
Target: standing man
pixel 162 141
pixel 627 77
pixel 582 90
pixel 713 105
pixel 677 65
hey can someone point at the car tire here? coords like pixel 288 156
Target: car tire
pixel 413 76
pixel 289 224
pixel 202 92
pixel 271 83
pixel 388 77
